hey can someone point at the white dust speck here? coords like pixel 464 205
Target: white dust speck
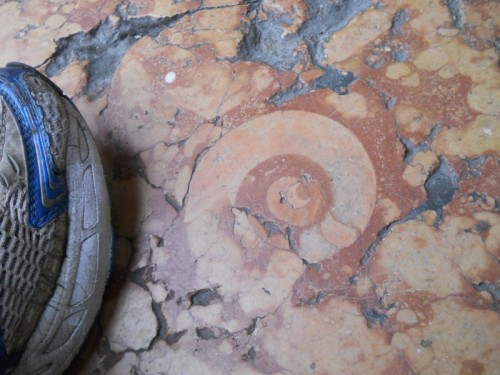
pixel 170 77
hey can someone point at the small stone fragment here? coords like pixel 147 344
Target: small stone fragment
pixel 205 333
pixel 203 297
pixel 175 337
pixel 441 186
pixel 335 80
pixel 250 355
pixel 401 53
pixel 373 317
pixel 400 18
pixel 375 62
pixel 252 327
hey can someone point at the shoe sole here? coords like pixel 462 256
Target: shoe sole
pixel 71 311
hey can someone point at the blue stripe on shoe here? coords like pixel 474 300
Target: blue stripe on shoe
pixel 47 184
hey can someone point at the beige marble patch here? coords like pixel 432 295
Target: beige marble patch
pixel 466 248
pixel 407 317
pixel 144 201
pixel 251 81
pixel 417 171
pixel 438 55
pixel 161 8
pixel 412 120
pixel 302 340
pixel 188 360
pixel 390 209
pixel 31 38
pixel 428 18
pixel 129 320
pixel 455 334
pixel 351 106
pixel 416 253
pixel 179 159
pixel 72 80
pixel 412 80
pixel 161 358
pixel 158 292
pixel 220 27
pixel 485 99
pixel 480 137
pixel 363 29
pixel 397 70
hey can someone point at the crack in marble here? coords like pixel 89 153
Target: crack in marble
pixel 141 170
pixel 456 12
pixel 263 41
pixel 493 289
pixel 373 316
pixel 197 161
pixel 318 298
pixel 439 192
pixel 400 18
pixel 104 46
pixel 412 149
pixel 440 185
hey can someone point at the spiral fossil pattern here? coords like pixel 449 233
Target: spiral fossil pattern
pixel 283 184
pixel 313 174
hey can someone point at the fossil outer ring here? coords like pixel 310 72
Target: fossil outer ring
pixel 325 166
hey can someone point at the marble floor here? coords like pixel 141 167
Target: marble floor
pixel 298 187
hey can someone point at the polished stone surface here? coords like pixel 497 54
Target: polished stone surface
pixel 298 187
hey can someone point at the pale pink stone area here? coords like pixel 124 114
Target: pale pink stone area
pixel 266 224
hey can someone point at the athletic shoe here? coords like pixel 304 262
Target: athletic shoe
pixel 55 231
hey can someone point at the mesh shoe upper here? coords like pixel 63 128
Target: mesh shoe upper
pixel 33 218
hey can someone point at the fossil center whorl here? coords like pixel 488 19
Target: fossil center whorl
pixel 295 189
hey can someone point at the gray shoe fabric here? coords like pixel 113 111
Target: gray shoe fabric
pixel 54 264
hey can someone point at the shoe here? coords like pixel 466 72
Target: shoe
pixel 55 230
